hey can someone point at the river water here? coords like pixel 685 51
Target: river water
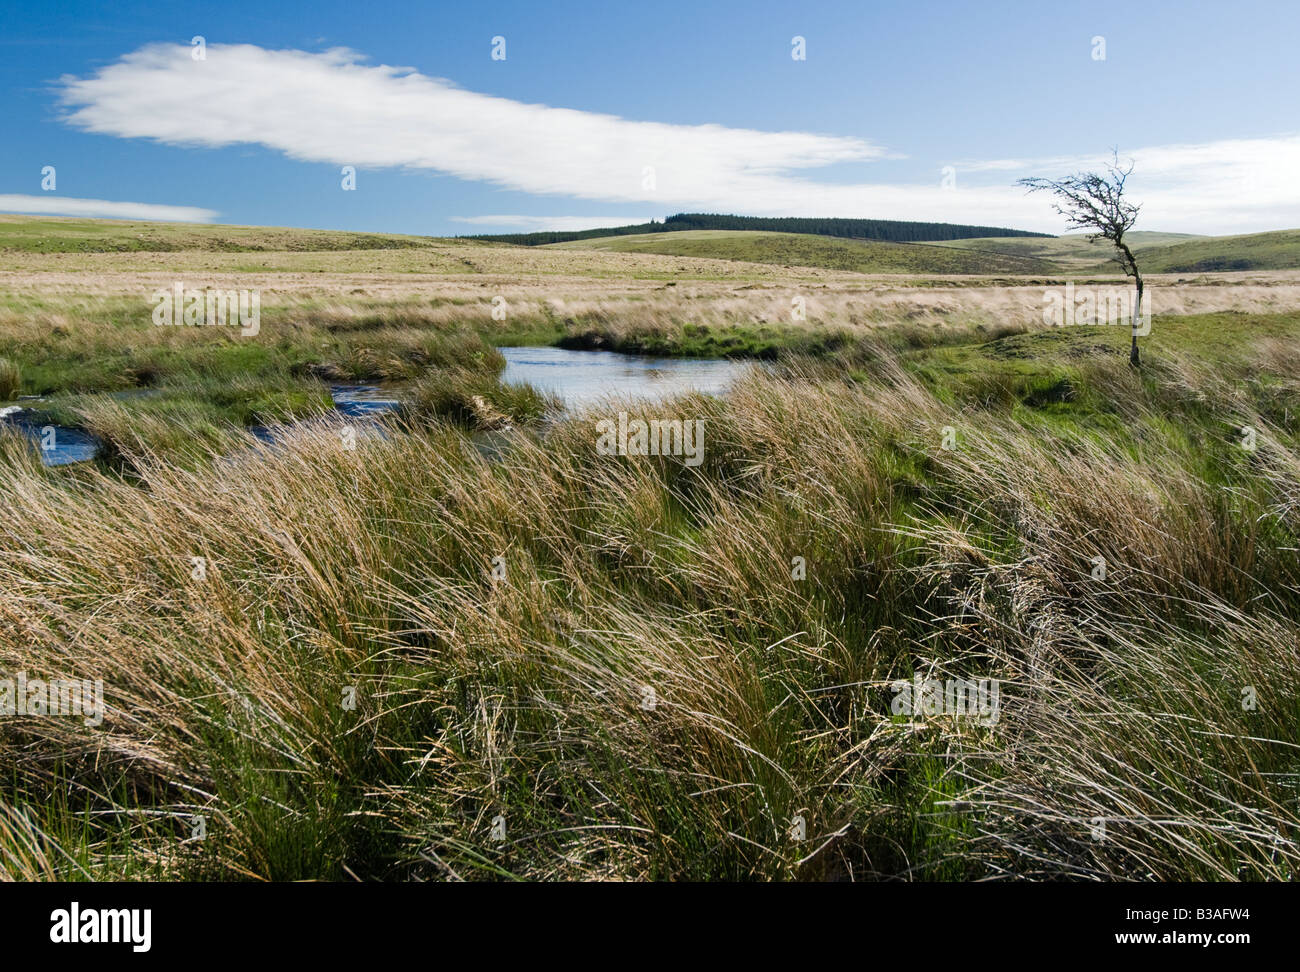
pixel 578 378
pixel 582 378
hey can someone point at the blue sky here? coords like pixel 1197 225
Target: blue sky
pixel 603 113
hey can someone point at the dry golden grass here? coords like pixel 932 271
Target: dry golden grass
pixel 46 302
pixel 523 698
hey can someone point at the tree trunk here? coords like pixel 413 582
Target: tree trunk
pixel 1132 265
pixel 1133 358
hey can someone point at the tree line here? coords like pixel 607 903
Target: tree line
pixel 890 230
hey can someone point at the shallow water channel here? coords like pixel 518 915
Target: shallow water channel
pixel 578 378
pixel 582 378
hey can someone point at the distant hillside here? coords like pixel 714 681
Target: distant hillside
pixel 48 234
pixel 1156 252
pixel 896 231
pixel 1024 254
pixel 1073 251
pixel 1279 250
pixel 802 250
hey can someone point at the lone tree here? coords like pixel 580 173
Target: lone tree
pixel 1095 201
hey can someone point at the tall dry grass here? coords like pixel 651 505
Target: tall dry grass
pixel 649 692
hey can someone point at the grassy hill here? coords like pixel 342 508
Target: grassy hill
pixel 1157 252
pixel 1072 252
pixel 803 250
pixel 1253 251
pixel 29 234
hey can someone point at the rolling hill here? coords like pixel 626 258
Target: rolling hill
pixel 1279 250
pixel 889 230
pixel 1157 252
pixel 39 234
pixel 1071 252
pixel 803 250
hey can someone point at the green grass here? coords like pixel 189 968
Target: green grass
pixel 11 380
pixel 1255 251
pixel 1156 252
pixel 1071 252
pixel 113 348
pixel 219 377
pixel 27 234
pixel 803 250
pixel 761 341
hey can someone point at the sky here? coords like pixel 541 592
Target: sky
pixel 506 117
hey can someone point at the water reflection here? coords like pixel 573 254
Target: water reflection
pixel 582 378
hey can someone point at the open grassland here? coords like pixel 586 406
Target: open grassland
pixel 70 336
pixel 652 691
pixel 804 250
pixel 79 322
pixel 1072 252
pixel 55 244
pixel 1075 253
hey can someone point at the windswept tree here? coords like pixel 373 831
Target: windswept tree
pixel 1095 201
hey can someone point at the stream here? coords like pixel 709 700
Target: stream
pixel 578 378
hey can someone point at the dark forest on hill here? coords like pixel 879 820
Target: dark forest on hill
pixel 891 230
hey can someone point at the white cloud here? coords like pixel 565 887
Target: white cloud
pixel 555 223
pixel 1229 186
pixel 51 205
pixel 332 108
pixel 329 107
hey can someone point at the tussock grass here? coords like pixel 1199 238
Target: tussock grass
pixel 10 380
pixel 525 698
pixel 478 400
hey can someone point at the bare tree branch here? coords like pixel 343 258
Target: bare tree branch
pixel 1095 201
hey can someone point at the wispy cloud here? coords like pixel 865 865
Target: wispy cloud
pixel 329 107
pixel 51 205
pixel 556 223
pixel 1232 185
pixel 332 107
